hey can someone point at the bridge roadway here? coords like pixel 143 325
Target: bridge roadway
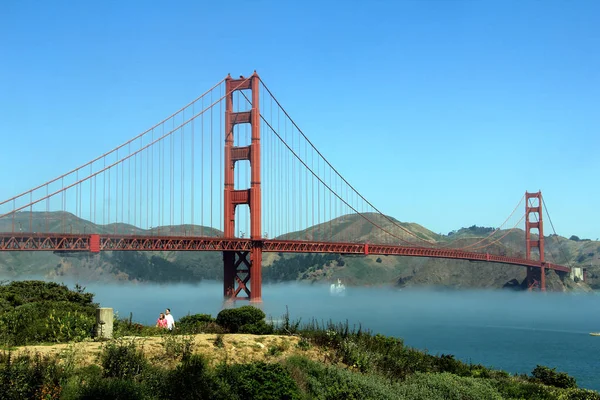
pixel 106 242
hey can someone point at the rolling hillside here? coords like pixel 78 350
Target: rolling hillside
pixel 353 270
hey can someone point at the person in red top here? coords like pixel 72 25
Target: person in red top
pixel 161 322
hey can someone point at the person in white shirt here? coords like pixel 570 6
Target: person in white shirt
pixel 170 320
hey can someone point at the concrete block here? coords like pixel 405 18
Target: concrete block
pixel 104 323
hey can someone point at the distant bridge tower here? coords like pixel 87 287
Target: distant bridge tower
pixel 535 207
pixel 238 269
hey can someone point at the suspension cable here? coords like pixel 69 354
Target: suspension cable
pixel 335 170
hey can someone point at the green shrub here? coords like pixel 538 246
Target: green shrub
pixel 257 328
pixel 581 394
pixel 303 344
pixel 111 388
pixel 29 376
pixel 21 292
pixel 49 321
pixel 198 323
pixel 195 319
pixel 447 363
pixel 36 311
pixel 122 360
pixel 331 383
pixel 218 342
pixel 193 379
pixel 274 350
pixel 72 385
pixel 259 381
pixel 353 355
pixel 156 380
pixel 178 347
pixel 514 388
pixel 549 376
pixel 233 319
pixel 383 355
pixel 446 386
pixel 125 327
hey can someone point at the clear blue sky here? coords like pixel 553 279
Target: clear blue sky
pixel 440 112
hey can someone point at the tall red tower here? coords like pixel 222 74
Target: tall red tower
pixel 534 207
pixel 238 269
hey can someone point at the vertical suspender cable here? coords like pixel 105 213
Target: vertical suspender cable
pixel 211 150
pixel 117 191
pixel 221 143
pixel 108 198
pixel 193 163
pixel 182 216
pixel 202 172
pixel 135 201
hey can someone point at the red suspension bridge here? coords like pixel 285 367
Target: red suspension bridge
pixel 174 188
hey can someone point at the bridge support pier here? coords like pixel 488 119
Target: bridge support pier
pixel 530 280
pixel 239 270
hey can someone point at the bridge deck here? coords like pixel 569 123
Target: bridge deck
pixel 95 243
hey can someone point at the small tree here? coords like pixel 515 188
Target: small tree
pixel 233 319
pixel 549 376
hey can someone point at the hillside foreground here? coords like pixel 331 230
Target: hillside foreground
pixel 236 356
pixel 165 350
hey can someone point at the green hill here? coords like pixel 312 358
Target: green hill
pixel 353 270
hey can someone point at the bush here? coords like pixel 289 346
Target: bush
pixel 22 292
pixel 37 311
pixel 446 386
pixel 233 319
pixel 49 321
pixel 550 377
pixel 125 327
pixel 122 360
pixel 581 394
pixel 257 328
pixel 193 379
pixel 330 382
pixel 518 389
pixel 20 378
pixel 111 388
pixel 195 319
pixel 259 381
pixel 303 344
pixel 218 342
pixel 27 376
pixel 447 363
pixel 198 323
pixel 178 346
pixel 72 385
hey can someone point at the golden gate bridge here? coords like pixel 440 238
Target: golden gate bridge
pixel 232 172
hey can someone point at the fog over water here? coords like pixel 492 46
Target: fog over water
pixel 508 330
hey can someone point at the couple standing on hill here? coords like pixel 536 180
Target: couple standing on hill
pixel 166 320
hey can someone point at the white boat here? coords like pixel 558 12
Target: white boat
pixel 595 333
pixel 337 289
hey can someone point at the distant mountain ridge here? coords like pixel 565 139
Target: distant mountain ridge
pixel 369 270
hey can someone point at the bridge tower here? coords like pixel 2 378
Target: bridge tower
pixel 238 269
pixel 534 207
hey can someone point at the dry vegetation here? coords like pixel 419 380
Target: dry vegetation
pixel 235 348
